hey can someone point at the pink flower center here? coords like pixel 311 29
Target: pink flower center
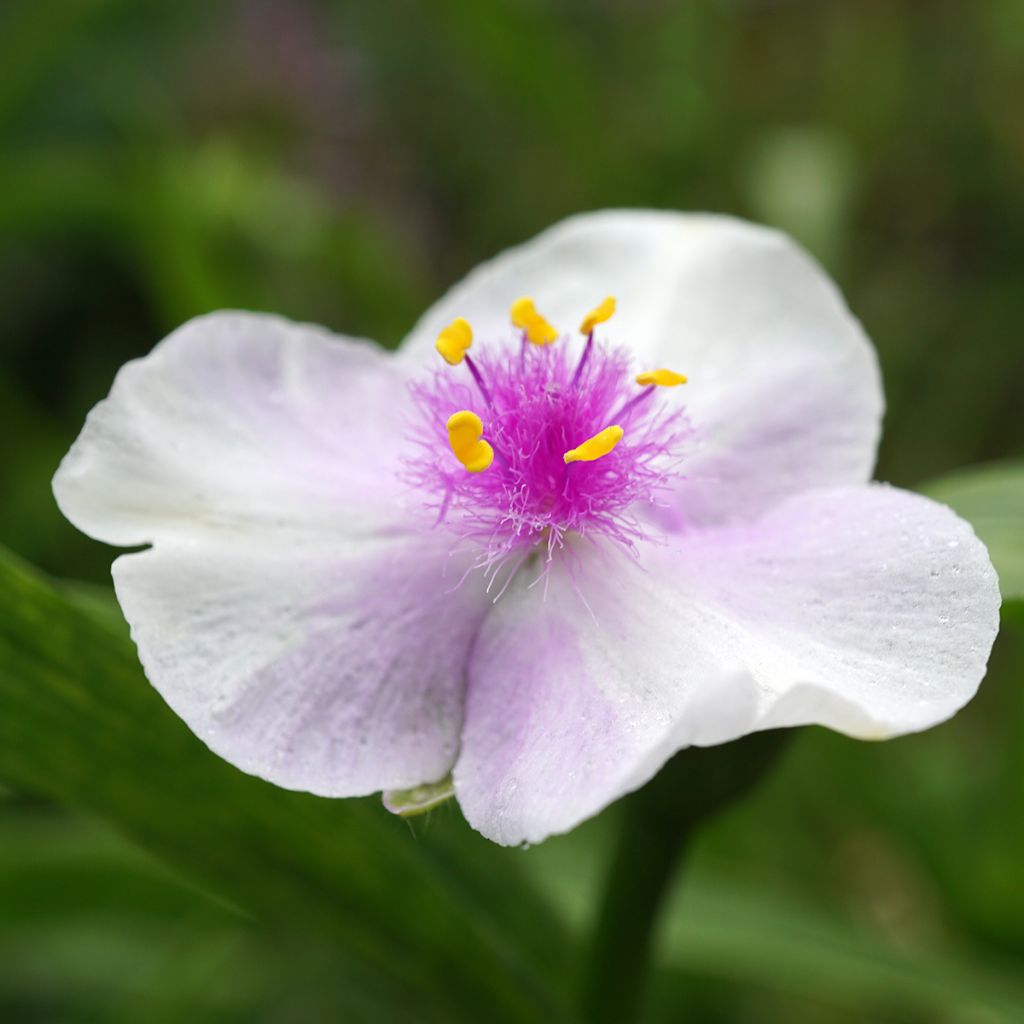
pixel 537 444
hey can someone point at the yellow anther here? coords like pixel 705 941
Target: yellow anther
pixel 522 312
pixel 464 435
pixel 660 378
pixel 598 315
pixel 454 341
pixel 525 316
pixel 540 332
pixel 596 446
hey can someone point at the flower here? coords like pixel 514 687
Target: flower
pixel 531 558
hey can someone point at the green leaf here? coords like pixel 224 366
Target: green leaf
pixel 34 38
pixel 735 931
pixel 444 918
pixel 93 929
pixel 991 498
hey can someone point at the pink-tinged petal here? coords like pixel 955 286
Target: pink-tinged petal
pixel 568 707
pixel 869 610
pixel 783 385
pixel 336 668
pixel 237 420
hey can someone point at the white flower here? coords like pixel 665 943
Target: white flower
pixel 315 604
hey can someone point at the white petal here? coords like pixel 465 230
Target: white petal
pixel 784 385
pixel 566 710
pixel 869 610
pixel 239 419
pixel 335 668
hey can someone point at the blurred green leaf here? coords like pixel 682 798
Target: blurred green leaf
pixel 737 932
pixel 36 36
pixel 440 917
pixel 991 498
pixel 802 180
pixel 91 929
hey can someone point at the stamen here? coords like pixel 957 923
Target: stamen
pixel 650 380
pixel 661 378
pixel 525 316
pixel 479 378
pixel 595 447
pixel 454 341
pixel 628 407
pixel 583 360
pixel 522 311
pixel 598 315
pixel 465 430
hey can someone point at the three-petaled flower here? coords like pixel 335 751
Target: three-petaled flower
pixel 533 563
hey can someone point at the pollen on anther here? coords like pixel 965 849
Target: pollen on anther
pixel 598 315
pixel 524 315
pixel 455 341
pixel 660 378
pixel 465 436
pixel 595 447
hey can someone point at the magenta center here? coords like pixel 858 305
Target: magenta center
pixel 536 403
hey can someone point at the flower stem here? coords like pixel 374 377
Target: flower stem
pixel 658 823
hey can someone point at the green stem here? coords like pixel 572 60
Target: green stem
pixel 658 823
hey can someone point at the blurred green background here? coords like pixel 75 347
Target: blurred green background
pixel 344 163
